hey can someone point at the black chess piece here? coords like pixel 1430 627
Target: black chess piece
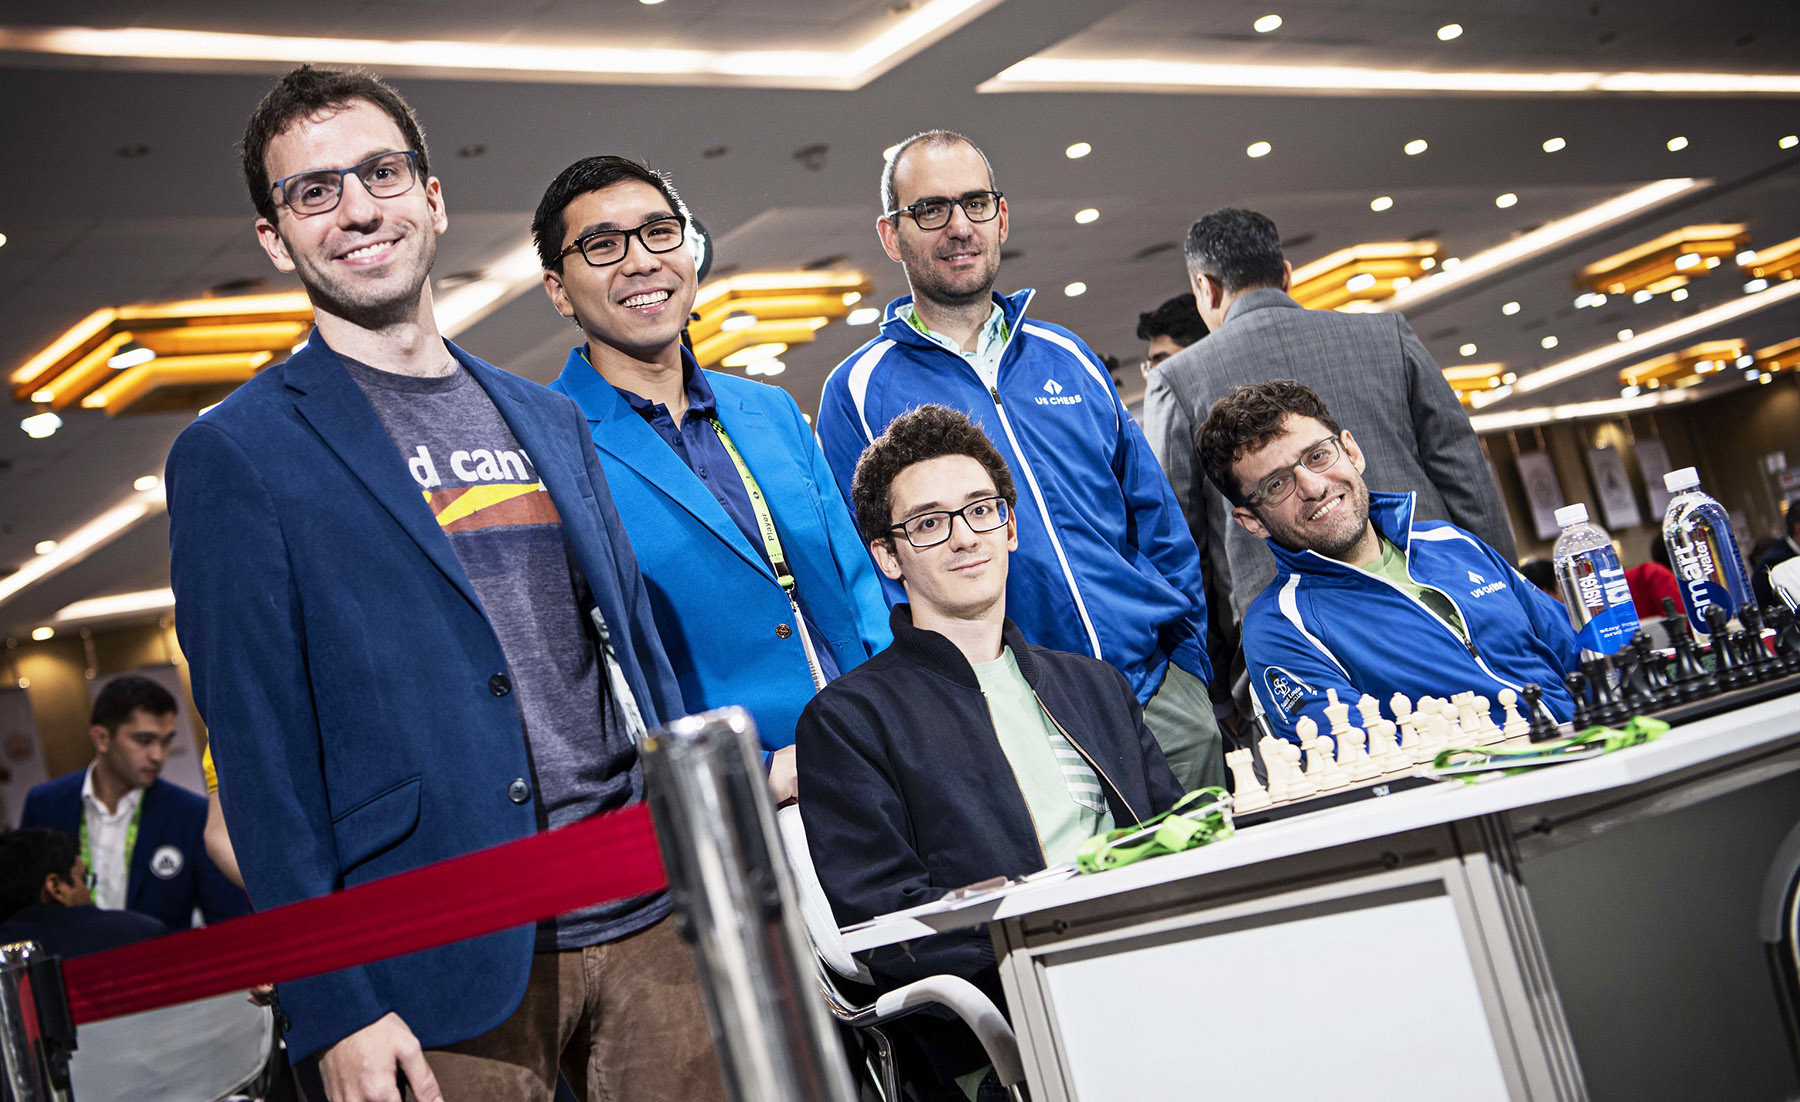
pixel 1693 681
pixel 1576 680
pixel 1635 689
pixel 1787 637
pixel 1663 689
pixel 1757 659
pixel 1543 724
pixel 1609 707
pixel 1726 666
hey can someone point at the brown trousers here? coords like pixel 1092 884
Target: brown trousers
pixel 623 1021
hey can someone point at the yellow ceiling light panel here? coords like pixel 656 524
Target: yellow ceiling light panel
pixel 176 382
pixel 1776 263
pixel 193 339
pixel 1471 379
pixel 1361 273
pixel 1779 357
pixel 742 313
pixel 1665 263
pixel 1683 368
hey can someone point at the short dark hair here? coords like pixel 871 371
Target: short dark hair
pixel 306 92
pixel 1539 572
pixel 27 857
pixel 1177 319
pixel 928 138
pixel 124 695
pixel 1246 419
pixel 595 173
pixel 1238 249
pixel 916 436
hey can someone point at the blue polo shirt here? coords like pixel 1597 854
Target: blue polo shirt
pixel 695 441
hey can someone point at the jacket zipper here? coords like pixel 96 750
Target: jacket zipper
pixel 1467 644
pixel 1087 757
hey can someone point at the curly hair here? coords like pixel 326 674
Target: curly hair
pixel 928 432
pixel 1245 420
pixel 306 92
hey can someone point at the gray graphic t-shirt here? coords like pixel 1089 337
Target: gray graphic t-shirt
pixel 485 493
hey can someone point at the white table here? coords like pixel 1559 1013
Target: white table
pixel 1412 946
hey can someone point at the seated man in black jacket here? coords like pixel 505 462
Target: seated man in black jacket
pixel 961 752
pixel 44 897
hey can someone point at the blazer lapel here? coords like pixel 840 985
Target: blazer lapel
pixel 330 401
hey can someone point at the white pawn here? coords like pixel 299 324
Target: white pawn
pixel 1383 748
pixel 1300 785
pixel 1321 768
pixel 1516 723
pixel 1246 794
pixel 1490 731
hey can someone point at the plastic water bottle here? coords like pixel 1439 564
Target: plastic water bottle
pixel 1703 550
pixel 1593 583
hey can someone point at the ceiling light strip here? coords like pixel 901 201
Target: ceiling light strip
pixel 1605 407
pixel 1651 339
pixel 80 543
pixel 115 604
pixel 1549 236
pixel 1122 74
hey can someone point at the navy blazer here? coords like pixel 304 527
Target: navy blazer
pixel 362 720
pixel 172 829
pixel 725 620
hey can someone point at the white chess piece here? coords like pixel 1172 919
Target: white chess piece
pixel 1516 723
pixel 1280 788
pixel 1370 708
pixel 1490 731
pixel 1246 794
pixel 1300 785
pixel 1383 747
pixel 1321 767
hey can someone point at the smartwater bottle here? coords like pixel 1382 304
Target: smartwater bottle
pixel 1703 550
pixel 1593 584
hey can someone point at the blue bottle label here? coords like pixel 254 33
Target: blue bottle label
pixel 1609 630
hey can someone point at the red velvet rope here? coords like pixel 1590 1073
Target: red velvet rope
pixel 597 860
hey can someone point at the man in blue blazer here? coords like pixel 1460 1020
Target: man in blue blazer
pixel 761 588
pixel 141 838
pixel 416 630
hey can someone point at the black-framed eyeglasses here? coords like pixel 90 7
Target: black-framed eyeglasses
pixel 933 528
pixel 1317 458
pixel 319 190
pixel 604 247
pixel 934 213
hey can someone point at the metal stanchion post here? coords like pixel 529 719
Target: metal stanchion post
pixel 36 1035
pixel 736 904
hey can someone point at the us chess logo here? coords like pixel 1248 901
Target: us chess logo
pixel 1286 691
pixel 1055 391
pixel 166 862
pixel 1483 587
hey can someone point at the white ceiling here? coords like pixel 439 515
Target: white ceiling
pixel 118 179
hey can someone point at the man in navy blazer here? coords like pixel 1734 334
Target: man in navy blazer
pixel 141 838
pixel 416 630
pixel 761 588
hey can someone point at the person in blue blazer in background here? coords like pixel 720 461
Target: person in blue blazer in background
pixel 140 837
pixel 761 588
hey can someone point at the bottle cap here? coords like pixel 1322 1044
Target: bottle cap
pixel 1685 479
pixel 1572 514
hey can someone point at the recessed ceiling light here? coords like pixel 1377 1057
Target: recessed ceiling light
pixel 1745 360
pixel 851 298
pixel 737 321
pixel 1449 31
pixel 44 547
pixel 1642 296
pixel 1416 147
pixel 130 354
pixel 1750 288
pixel 1748 256
pixel 1789 142
pixel 1086 216
pixel 1686 261
pixel 1267 23
pixel 1076 288
pixel 146 482
pixel 1467 350
pixel 1451 263
pixel 1078 151
pixel 862 315
pixel 43 634
pixel 650 2
pixel 1428 263
pixel 3 236
pixel 1258 149
pixel 1625 334
pixel 1506 199
pixel 43 396
pixel 40 425
pixel 1554 145
pixel 1677 144
pixel 1510 309
pixel 1547 342
pixel 1361 281
pixel 1381 202
pixel 1679 294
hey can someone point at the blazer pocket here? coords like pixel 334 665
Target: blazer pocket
pixel 377 824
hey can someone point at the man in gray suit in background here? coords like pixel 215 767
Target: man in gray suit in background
pixel 1370 369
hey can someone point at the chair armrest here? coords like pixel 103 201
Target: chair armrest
pixel 976 1010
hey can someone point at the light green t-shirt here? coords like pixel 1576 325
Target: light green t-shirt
pixel 1392 566
pixel 988 346
pixel 1067 804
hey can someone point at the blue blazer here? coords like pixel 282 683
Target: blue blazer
pixel 352 683
pixel 716 601
pixel 172 818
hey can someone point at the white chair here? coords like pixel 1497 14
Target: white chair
pixel 1784 578
pixel 195 1052
pixel 954 993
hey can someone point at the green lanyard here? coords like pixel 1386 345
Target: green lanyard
pixel 87 857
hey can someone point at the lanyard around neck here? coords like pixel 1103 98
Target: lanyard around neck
pixel 131 832
pixel 765 520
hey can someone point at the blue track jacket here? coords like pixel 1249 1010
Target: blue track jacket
pixel 1105 566
pixel 1322 624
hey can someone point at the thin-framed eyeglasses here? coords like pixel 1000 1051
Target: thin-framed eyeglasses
pixel 934 213
pixel 1317 458
pixel 933 528
pixel 320 190
pixel 605 247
